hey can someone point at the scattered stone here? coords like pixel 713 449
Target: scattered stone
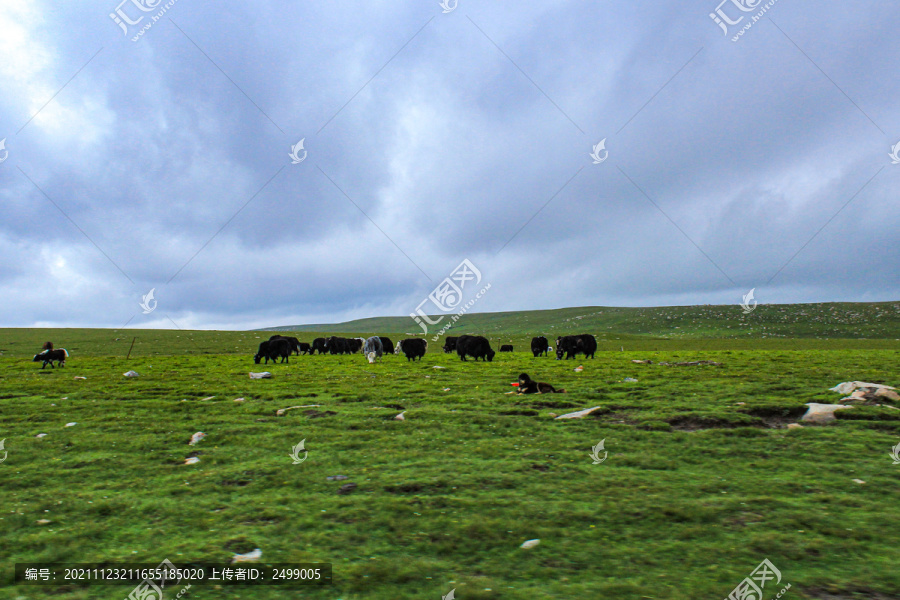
pixel 848 386
pixel 131 374
pixel 263 375
pixel 630 380
pixel 578 414
pixel 192 460
pixel 196 438
pixel 249 557
pixel 740 403
pixel 207 398
pixel 438 367
pixel 446 389
pixel 43 521
pixel 40 435
pixel 280 412
pixel 642 362
pixel 887 394
pixel 72 424
pixel 337 478
pixel 528 544
pixel 400 417
pixel 859 481
pixel 80 377
pixel 238 399
pixel 347 488
pixel 794 426
pixel 821 413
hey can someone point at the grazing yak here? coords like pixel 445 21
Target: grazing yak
pixel 274 349
pixel 337 345
pixel 373 349
pixel 388 344
pixel 450 344
pixel 528 386
pixel 319 346
pixel 412 348
pixel 294 342
pixel 475 346
pixel 355 345
pixel 305 348
pixel 572 345
pixel 539 346
pixel 506 348
pixel 49 355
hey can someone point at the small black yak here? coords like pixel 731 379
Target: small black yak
pixel 48 356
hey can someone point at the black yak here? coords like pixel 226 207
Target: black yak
pixel 412 348
pixel 572 345
pixel 48 356
pixel 274 349
pixel 539 346
pixel 475 346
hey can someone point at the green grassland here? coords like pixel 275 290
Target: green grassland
pixel 872 320
pixel 702 481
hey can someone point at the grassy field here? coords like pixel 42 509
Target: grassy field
pixel 702 481
pixel 872 320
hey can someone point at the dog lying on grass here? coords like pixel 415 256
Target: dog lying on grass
pixel 528 386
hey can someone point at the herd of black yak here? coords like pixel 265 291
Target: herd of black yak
pixel 280 347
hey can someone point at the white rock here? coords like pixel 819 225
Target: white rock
pixel 579 414
pixel 192 460
pixel 80 377
pixel 263 375
pixel 859 481
pixel 131 374
pixel 848 386
pixel 72 424
pixel 207 398
pixel 197 437
pixel 280 412
pixel 400 417
pixel 238 399
pixel 821 413
pixel 529 544
pixel 40 435
pixel 249 557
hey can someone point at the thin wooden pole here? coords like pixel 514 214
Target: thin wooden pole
pixel 129 350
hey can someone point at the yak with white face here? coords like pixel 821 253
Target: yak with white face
pixel 373 349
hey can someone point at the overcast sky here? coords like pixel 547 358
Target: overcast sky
pixel 431 137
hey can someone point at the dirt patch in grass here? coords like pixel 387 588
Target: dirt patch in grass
pixel 777 417
pixel 696 423
pixel 315 414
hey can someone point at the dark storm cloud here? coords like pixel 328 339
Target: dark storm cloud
pixel 435 137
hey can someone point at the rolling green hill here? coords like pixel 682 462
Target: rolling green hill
pixel 863 320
